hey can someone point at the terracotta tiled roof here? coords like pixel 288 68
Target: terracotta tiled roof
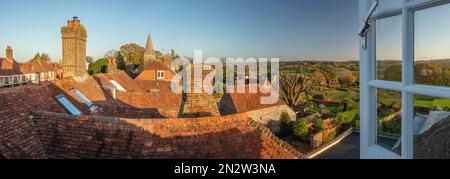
pixel 17 136
pixel 89 88
pixel 9 67
pixel 154 65
pixel 154 86
pixel 434 143
pixel 36 67
pixel 167 105
pixel 50 132
pixel 120 77
pixel 245 102
pixel 230 137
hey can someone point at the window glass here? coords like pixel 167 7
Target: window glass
pixel 432 46
pixel 389 48
pixel 160 74
pixel 82 98
pixel 117 86
pixel 389 119
pixel 68 105
pixel 390 4
pixel 431 127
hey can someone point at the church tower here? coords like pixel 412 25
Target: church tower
pixel 149 54
pixel 74 37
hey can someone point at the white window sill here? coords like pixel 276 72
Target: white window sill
pixel 378 152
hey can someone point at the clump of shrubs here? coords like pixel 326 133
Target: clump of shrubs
pixel 394 126
pixel 349 104
pixel 285 125
pixel 318 125
pixel 300 128
pixel 348 118
pixel 330 137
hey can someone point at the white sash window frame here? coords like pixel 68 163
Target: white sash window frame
pixel 369 83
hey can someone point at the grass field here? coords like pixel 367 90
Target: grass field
pixel 443 103
pixel 339 94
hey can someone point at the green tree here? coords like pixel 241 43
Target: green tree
pixel 121 63
pixel 45 57
pixel 319 79
pixel 110 54
pixel 132 53
pixel 99 66
pixel 347 79
pixel 330 74
pixel 41 57
pixel 285 125
pixel 300 128
pixel 393 73
pixel 431 74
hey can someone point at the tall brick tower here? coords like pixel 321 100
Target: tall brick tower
pixel 74 37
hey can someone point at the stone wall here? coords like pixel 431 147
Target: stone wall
pixel 271 116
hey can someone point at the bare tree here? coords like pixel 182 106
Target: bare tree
pixel 293 88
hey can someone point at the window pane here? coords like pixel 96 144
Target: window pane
pixel 389 48
pixel 82 98
pixel 117 86
pixel 432 46
pixel 68 105
pixel 389 120
pixel 431 127
pixel 389 4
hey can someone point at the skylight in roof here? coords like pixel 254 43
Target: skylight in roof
pixel 118 86
pixel 68 105
pixel 84 99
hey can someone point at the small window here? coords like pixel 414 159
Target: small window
pixel 389 120
pixel 84 99
pixel 431 115
pixel 117 86
pixel 160 74
pixel 432 47
pixel 68 105
pixel 389 48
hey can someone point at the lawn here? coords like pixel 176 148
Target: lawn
pixel 339 94
pixel 443 103
pixel 420 102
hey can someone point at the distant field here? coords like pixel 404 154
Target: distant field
pixel 421 103
pixel 339 94
pixel 437 102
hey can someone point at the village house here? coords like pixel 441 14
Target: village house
pixel 14 73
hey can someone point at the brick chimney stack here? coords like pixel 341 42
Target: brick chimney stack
pixel 9 53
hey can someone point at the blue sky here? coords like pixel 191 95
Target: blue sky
pixel 287 29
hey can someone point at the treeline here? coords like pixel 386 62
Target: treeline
pixel 424 73
pixel 127 54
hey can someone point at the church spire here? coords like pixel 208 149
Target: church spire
pixel 149 54
pixel 149 45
